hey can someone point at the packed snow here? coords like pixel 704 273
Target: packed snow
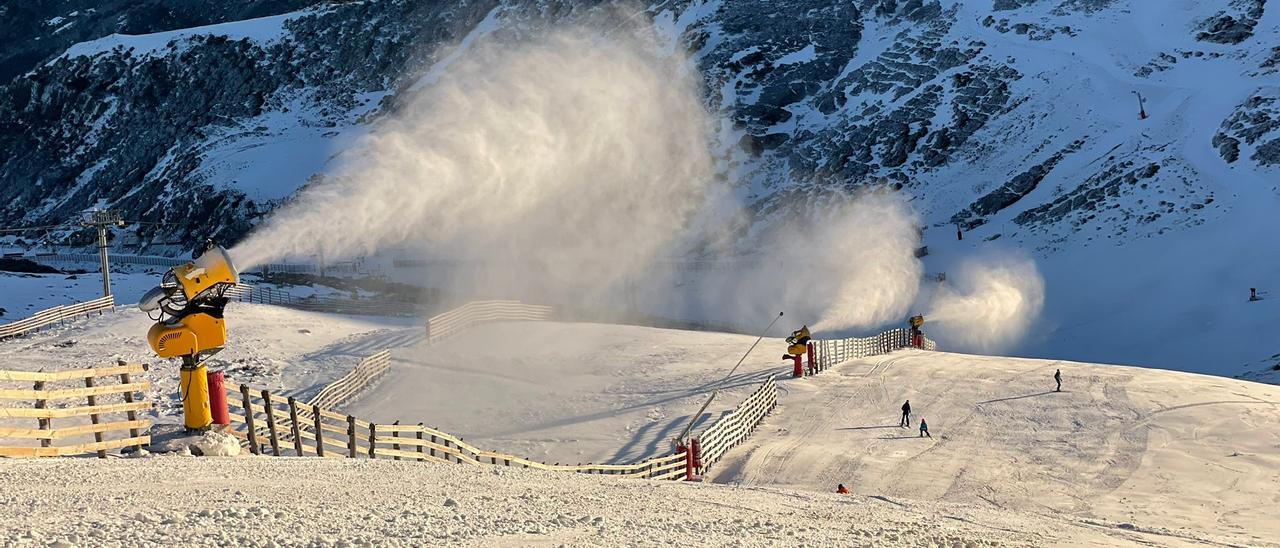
pixel 266 501
pixel 1185 458
pixel 1122 455
pixel 566 392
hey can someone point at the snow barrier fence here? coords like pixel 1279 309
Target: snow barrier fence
pixel 270 424
pixel 474 313
pixel 84 419
pixel 828 353
pixel 736 426
pixel 56 315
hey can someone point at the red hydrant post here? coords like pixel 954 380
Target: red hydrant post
pixel 799 369
pixel 218 398
pixel 813 365
pixel 696 449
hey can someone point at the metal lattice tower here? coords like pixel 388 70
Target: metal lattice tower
pixel 101 219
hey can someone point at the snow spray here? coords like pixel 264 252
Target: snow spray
pixel 845 261
pixel 991 305
pixel 562 164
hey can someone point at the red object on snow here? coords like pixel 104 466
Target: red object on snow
pixel 218 398
pixel 813 364
pixel 799 369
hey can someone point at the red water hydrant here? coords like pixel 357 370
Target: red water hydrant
pixel 218 398
pixel 696 449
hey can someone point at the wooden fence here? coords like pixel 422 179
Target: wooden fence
pixel 56 315
pixel 249 293
pixel 355 381
pixel 105 391
pixel 273 425
pixel 735 427
pixel 478 312
pixel 829 352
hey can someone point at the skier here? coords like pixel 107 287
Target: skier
pixel 924 429
pixel 1057 376
pixel 906 415
pixel 842 489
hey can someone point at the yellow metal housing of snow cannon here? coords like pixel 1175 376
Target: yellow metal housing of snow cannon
pixel 187 336
pixel 190 300
pixel 798 342
pixel 916 321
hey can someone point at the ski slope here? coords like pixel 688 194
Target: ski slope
pixel 566 392
pixel 266 501
pixel 1193 456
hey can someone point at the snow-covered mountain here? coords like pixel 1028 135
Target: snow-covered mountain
pixel 1017 120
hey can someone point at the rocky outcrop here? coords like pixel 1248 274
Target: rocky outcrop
pixel 1009 193
pixel 1255 124
pixel 1232 28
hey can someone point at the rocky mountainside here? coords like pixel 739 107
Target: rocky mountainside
pixel 1017 121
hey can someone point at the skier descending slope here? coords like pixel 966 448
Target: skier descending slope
pixel 924 429
pixel 906 415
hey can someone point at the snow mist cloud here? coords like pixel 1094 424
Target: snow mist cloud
pixel 843 262
pixel 569 160
pixel 991 305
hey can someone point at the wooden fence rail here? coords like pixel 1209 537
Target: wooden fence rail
pixel 736 426
pixel 355 381
pixel 477 312
pixel 56 315
pixel 830 352
pixel 272 425
pixel 48 404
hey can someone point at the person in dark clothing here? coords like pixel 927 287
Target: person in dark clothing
pixel 906 415
pixel 842 489
pixel 924 429
pixel 1058 377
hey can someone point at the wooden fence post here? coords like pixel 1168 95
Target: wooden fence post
pixel 351 436
pixel 373 440
pixel 396 446
pixel 271 423
pixel 132 415
pixel 315 416
pixel 93 418
pixel 293 425
pixel 420 439
pixel 45 424
pixel 433 449
pixel 248 420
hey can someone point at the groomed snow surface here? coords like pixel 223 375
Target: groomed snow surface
pixel 265 501
pixel 1124 456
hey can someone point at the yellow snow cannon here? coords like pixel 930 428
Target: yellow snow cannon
pixel 190 300
pixel 798 342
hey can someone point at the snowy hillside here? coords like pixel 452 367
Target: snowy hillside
pixel 1161 450
pixel 259 502
pixel 1015 119
pixel 1122 456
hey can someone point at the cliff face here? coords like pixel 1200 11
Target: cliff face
pixel 173 112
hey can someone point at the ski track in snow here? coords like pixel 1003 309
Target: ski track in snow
pixel 1188 455
pixel 1123 456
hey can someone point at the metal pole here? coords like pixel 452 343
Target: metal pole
pixel 100 220
pixel 694 420
pixel 102 258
